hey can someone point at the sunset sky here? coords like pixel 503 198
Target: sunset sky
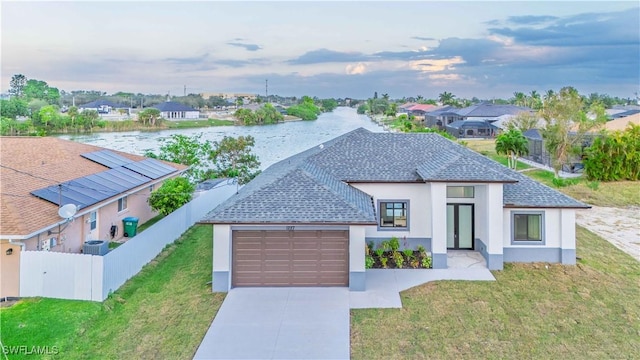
pixel 325 49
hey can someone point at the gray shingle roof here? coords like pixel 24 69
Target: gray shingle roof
pixel 312 186
pixel 490 110
pixel 173 106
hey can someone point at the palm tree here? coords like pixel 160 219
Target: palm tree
pixel 513 144
pixel 535 100
pixel 446 98
pixel 519 98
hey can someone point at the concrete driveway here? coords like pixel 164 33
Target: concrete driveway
pixel 280 323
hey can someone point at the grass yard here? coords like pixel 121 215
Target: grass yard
pixel 162 313
pixel 532 311
pixel 184 124
pixel 615 194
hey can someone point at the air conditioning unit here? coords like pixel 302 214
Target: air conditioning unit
pixel 96 247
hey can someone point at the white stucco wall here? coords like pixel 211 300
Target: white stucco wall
pixel 221 248
pixel 419 207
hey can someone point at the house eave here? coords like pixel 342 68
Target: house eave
pixel 515 206
pixel 472 181
pixel 328 223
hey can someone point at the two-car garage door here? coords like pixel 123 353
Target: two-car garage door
pixel 290 258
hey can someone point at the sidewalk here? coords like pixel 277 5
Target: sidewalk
pixel 544 167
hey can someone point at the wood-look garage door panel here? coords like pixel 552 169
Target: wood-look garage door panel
pixel 290 258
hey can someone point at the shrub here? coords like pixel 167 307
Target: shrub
pixel 426 262
pixel 408 254
pixel 398 259
pixel 383 261
pixel 368 261
pixel 394 244
pixel 614 156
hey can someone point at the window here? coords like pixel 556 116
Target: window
pixel 93 220
pixel 460 191
pixel 528 227
pixel 122 204
pixel 470 132
pixel 393 214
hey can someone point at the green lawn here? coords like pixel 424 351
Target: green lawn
pixel 532 311
pixel 162 313
pixel 183 124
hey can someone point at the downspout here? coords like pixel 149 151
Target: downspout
pixel 22 245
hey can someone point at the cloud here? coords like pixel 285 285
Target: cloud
pixel 422 38
pixel 248 47
pixel 239 63
pixel 356 69
pixel 327 56
pixel 188 60
pixel 531 19
pixel 610 29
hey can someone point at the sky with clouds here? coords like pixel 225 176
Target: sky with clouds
pixel 325 49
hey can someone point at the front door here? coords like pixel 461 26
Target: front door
pixel 460 226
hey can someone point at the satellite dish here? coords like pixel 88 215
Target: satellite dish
pixel 67 211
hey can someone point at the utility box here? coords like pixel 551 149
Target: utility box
pixel 130 225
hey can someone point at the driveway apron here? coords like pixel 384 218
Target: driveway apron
pixel 280 323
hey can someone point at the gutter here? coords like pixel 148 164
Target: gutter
pixel 23 246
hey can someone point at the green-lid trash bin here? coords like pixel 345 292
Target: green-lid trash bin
pixel 130 225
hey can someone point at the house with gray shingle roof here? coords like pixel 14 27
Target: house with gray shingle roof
pixel 172 110
pixel 305 220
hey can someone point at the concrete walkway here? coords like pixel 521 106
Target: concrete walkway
pixel 280 323
pixel 383 286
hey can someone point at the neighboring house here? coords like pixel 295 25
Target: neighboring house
pixel 490 112
pixel 40 174
pixel 172 110
pixel 104 107
pixel 472 129
pixel 441 117
pixel 419 110
pixel 306 219
pixel 623 114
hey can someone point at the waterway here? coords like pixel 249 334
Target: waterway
pixel 272 142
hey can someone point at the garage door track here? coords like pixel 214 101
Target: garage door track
pixel 280 323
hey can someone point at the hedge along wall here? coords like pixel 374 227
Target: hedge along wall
pixel 614 156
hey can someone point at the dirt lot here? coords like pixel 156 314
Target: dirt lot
pixel 619 226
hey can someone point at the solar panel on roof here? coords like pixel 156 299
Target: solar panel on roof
pixel 107 158
pixel 151 168
pixel 92 189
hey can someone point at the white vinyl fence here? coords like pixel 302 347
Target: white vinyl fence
pixel 93 277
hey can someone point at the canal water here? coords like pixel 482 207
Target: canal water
pixel 272 142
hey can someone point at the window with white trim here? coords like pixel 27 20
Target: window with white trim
pixel 122 204
pixel 93 220
pixel 527 228
pixel 394 214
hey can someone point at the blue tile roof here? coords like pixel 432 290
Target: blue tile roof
pixel 312 187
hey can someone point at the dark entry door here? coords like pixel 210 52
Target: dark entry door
pixel 460 226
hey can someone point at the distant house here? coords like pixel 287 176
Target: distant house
pixel 472 129
pixel 441 117
pixel 172 110
pixel 419 110
pixel 41 174
pixel 102 106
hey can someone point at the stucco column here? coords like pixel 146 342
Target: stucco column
pixel 494 226
pixel 568 236
pixel 439 225
pixel 221 258
pixel 357 274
